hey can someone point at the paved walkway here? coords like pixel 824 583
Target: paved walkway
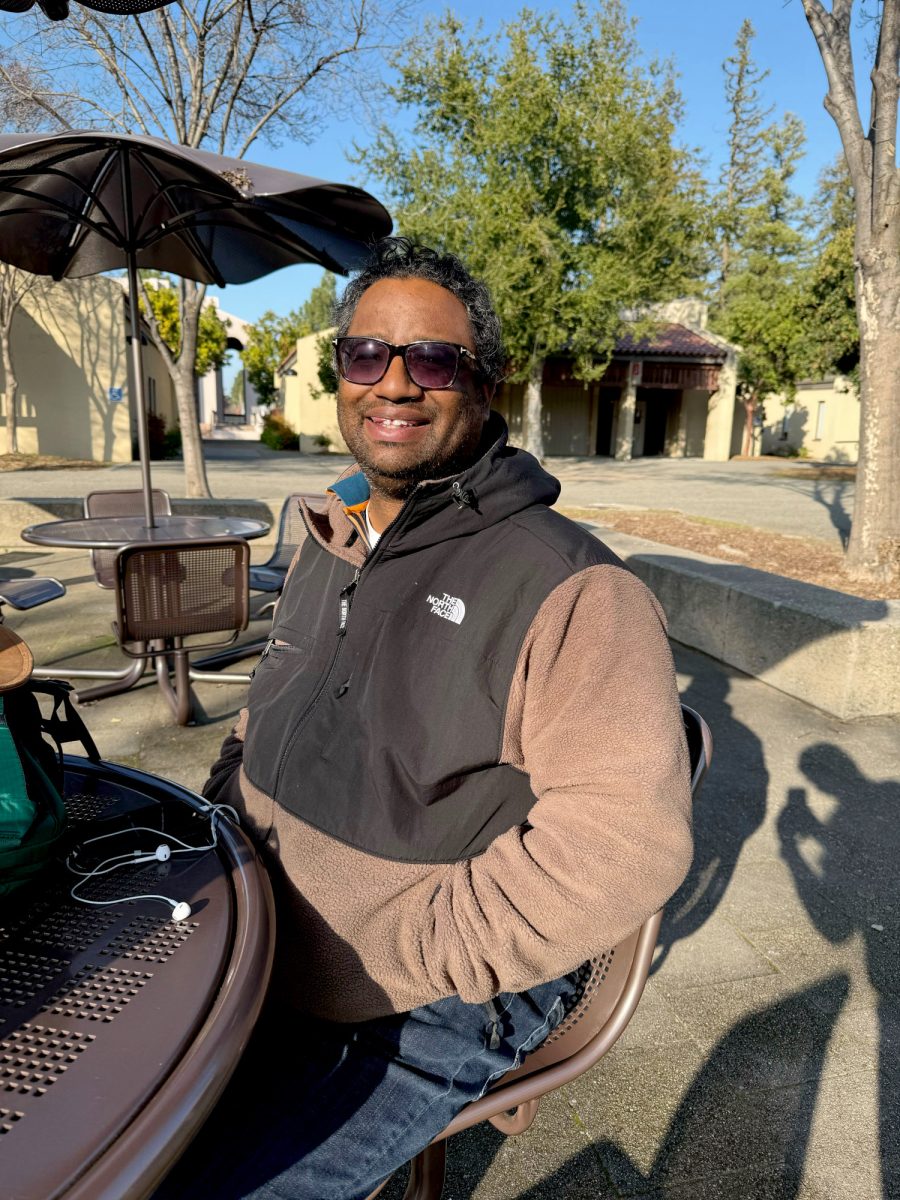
pixel 783 497
pixel 764 1060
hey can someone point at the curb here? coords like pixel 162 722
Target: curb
pixel 832 650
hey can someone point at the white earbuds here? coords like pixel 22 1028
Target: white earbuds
pixel 181 910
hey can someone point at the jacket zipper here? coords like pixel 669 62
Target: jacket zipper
pixel 345 601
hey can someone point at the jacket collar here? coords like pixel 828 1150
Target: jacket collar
pixel 502 481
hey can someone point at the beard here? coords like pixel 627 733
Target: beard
pixel 397 481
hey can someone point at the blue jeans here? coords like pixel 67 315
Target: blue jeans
pixel 326 1111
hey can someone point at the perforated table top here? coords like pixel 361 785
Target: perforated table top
pixel 118 1027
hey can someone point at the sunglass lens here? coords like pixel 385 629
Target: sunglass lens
pixel 432 364
pixel 362 360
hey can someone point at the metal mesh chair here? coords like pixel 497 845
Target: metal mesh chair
pixel 122 503
pixel 611 993
pixel 270 575
pixel 176 590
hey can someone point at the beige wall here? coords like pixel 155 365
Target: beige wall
pixel 823 419
pixel 69 348
pixel 304 411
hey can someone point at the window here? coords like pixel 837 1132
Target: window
pixel 820 421
pixel 151 394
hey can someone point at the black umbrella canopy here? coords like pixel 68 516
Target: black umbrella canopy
pixel 75 204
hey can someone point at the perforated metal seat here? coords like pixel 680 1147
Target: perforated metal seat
pixel 122 503
pixel 270 575
pixel 176 590
pixel 30 592
pixel 614 983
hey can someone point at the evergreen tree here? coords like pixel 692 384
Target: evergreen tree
pixel 547 160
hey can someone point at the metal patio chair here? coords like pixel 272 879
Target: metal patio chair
pixel 608 1002
pixel 125 502
pixel 29 593
pixel 270 575
pixel 171 591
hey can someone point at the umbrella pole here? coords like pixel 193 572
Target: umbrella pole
pixel 137 366
pixel 137 363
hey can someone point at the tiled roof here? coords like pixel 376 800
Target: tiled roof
pixel 670 340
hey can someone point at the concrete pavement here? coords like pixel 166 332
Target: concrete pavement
pixel 763 1061
pixel 758 493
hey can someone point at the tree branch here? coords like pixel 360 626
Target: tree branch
pixel 832 34
pixel 883 135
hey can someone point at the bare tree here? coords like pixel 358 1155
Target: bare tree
pixel 874 548
pixel 218 74
pixel 14 287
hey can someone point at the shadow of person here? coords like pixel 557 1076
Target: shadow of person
pixel 832 498
pixel 746 1116
pixel 730 806
pixel 845 869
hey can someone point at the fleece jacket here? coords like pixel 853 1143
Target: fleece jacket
pixel 462 757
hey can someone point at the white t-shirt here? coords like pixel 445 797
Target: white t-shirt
pixel 373 534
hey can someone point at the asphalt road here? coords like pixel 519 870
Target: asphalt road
pixel 783 497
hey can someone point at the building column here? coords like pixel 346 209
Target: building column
pixel 625 421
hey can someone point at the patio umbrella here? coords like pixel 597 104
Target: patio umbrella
pixel 77 203
pixel 58 10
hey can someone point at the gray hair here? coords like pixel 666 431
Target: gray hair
pixel 402 258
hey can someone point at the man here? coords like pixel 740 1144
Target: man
pixel 462 756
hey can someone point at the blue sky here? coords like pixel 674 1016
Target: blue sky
pixel 697 34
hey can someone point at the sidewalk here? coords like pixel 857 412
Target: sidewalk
pixel 759 493
pixel 764 1060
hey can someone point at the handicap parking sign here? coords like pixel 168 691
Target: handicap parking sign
pixel 115 395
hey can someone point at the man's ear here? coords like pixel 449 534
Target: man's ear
pixel 488 391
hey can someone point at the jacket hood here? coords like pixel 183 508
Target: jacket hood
pixel 502 481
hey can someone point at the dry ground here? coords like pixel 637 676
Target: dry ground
pixel 44 462
pixel 809 559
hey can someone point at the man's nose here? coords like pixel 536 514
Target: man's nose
pixel 396 384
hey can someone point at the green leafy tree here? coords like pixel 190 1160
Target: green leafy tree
pixel 546 159
pixel 211 346
pixel 828 298
pixel 762 245
pixel 273 337
pixel 741 174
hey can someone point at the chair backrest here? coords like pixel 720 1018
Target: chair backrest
pixel 613 988
pixel 124 502
pixel 290 529
pixel 177 589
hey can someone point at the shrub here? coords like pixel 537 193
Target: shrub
pixel 322 440
pixel 156 436
pixel 172 440
pixel 277 433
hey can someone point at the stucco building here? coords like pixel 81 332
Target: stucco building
pixel 672 394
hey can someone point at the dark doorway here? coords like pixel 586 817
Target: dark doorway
pixel 658 403
pixel 606 410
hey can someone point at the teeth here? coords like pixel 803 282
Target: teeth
pixel 395 424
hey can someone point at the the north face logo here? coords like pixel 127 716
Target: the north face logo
pixel 451 608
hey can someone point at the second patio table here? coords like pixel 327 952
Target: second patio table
pixel 111 533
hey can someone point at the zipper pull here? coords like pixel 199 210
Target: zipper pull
pixel 268 646
pixel 346 599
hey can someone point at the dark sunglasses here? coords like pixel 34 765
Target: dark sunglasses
pixel 428 364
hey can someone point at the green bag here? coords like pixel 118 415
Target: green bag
pixel 32 810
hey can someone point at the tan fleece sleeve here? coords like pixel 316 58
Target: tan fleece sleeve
pixel 594 718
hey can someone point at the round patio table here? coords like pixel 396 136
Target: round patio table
pixel 119 1028
pixel 111 533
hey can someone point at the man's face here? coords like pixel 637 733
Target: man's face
pixel 441 427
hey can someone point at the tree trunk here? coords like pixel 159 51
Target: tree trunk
pixel 749 410
pixel 534 434
pixel 874 547
pixel 11 392
pixel 184 383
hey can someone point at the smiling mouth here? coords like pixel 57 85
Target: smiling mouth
pixel 395 423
